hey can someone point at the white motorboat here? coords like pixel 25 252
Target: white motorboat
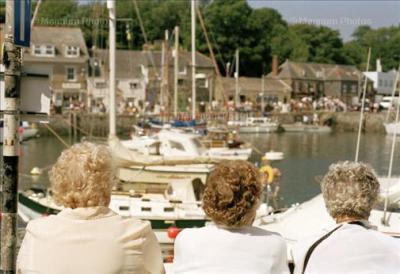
pixel 310 219
pixel 26 131
pixel 392 128
pixel 175 142
pixel 176 204
pixel 255 125
pixel 300 127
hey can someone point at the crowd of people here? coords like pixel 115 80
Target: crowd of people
pixel 87 237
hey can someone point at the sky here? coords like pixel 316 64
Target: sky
pixel 343 15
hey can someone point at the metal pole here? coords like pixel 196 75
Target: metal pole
pixel 176 71
pixel 112 106
pixel 362 109
pixel 237 79
pixel 262 94
pixel 193 59
pixel 9 186
pixel 162 82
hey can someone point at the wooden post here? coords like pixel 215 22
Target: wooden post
pixel 9 201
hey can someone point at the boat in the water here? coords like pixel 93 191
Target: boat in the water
pixel 392 128
pixel 301 127
pixel 310 219
pixel 176 204
pixel 174 142
pixel 255 125
pixel 26 131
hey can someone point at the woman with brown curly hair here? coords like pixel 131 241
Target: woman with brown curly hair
pixel 232 244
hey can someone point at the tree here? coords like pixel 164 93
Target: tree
pixel 2 11
pixel 53 11
pixel 324 44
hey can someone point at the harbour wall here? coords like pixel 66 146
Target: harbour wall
pixel 97 124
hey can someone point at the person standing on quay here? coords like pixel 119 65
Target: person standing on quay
pixel 353 246
pixel 87 237
pixel 232 245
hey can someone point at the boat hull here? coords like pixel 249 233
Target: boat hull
pixel 258 129
pixel 31 208
pixel 163 174
pixel 306 128
pixel 392 128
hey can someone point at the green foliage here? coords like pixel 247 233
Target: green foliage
pixel 52 10
pixel 2 11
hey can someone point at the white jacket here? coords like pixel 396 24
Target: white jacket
pixel 89 241
pixel 214 250
pixel 352 249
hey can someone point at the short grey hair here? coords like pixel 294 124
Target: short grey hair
pixel 350 190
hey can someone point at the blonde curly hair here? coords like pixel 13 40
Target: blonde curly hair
pixel 350 190
pixel 232 193
pixel 82 176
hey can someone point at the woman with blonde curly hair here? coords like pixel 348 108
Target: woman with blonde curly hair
pixel 232 244
pixel 350 191
pixel 87 236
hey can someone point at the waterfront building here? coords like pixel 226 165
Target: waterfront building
pixel 62 53
pixel 318 80
pixel 251 89
pixel 382 81
pixel 143 76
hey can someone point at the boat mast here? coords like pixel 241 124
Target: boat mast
pixel 237 79
pixel 384 220
pixel 262 95
pixel 193 10
pixel 112 107
pixel 362 108
pixel 176 71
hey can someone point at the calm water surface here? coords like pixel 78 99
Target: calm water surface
pixel 307 156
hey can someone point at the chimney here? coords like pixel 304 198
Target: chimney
pixel 378 65
pixel 274 65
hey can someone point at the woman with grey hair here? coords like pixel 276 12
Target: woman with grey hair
pixel 350 191
pixel 86 236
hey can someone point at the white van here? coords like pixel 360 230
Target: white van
pixel 386 101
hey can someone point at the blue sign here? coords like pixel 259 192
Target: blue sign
pixel 22 22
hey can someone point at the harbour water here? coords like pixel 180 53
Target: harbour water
pixel 307 158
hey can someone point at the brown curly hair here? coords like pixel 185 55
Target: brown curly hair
pixel 232 193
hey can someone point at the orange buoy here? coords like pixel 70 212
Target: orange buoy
pixel 173 232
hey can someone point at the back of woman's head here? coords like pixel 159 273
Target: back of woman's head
pixel 82 176
pixel 232 193
pixel 350 189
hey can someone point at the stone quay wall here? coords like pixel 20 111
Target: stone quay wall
pixel 97 124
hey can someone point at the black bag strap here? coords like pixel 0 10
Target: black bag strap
pixel 314 245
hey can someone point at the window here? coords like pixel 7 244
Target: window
pixel 100 85
pixel 71 51
pixel 71 74
pixel 182 71
pixel 37 50
pixel 176 145
pixel 180 82
pixel 133 85
pixel 49 50
pixel 380 82
pixel 44 50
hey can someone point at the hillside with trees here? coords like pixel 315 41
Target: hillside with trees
pixel 231 24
